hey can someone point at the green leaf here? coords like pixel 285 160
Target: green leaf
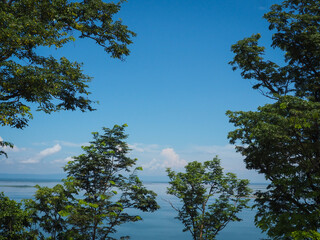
pixel 283 106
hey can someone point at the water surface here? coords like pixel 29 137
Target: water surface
pixel 160 225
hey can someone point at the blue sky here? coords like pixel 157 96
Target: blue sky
pixel 172 91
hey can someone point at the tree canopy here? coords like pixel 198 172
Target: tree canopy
pixel 210 199
pixel 296 26
pixel 110 187
pixel 14 221
pixel 28 78
pixel 46 207
pixel 52 84
pixel 282 139
pixel 98 196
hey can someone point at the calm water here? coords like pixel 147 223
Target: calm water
pixel 160 225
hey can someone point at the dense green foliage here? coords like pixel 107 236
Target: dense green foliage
pixel 28 78
pixel 210 199
pixel 14 221
pixel 92 202
pixel 297 32
pixel 103 173
pixel 282 140
pixel 46 208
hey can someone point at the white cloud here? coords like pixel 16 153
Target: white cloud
pixel 71 144
pixel 154 164
pixel 68 159
pixel 165 158
pixel 31 160
pixel 152 157
pixel 49 151
pixel 156 159
pixel 144 148
pixel 172 159
pixel 65 160
pixel 62 143
pixel 44 153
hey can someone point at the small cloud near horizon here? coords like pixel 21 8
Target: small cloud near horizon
pixel 44 153
pixel 71 144
pixel 65 160
pixel 167 158
pixel 172 159
pixel 144 148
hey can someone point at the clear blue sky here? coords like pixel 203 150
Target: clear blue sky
pixel 173 90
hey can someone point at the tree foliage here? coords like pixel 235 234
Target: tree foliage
pixel 104 175
pixel 96 198
pixel 297 33
pixel 14 220
pixel 46 208
pixel 28 78
pixel 209 198
pixel 282 139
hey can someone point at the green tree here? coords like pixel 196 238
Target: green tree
pixel 103 174
pixel 28 78
pixel 279 141
pixel 282 139
pixel 303 235
pixel 95 198
pixel 210 199
pixel 15 222
pixel 46 208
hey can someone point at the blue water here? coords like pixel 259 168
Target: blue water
pixel 160 225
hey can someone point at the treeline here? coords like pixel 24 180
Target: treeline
pixel 102 185
pixel 280 140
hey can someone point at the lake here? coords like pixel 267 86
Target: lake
pixel 159 225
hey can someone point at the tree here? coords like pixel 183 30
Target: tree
pixel 30 79
pixel 95 198
pixel 202 216
pixel 282 139
pixel 46 208
pixel 279 141
pixel 14 221
pixel 103 174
